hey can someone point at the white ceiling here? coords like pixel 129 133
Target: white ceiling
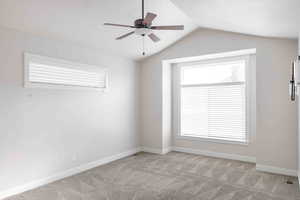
pixel 275 18
pixel 81 21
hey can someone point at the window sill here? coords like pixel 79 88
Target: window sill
pixel 211 140
pixel 29 85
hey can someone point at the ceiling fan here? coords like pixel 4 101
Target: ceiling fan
pixel 143 26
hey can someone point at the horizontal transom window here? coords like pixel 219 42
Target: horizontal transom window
pixel 48 72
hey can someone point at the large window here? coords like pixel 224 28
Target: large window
pixel 212 99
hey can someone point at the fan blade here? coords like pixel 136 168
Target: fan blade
pixel 153 37
pixel 149 18
pixel 123 36
pixel 176 27
pixel 120 25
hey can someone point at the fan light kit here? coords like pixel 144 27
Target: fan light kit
pixel 143 31
pixel 143 27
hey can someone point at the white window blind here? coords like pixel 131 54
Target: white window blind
pixel 48 71
pixel 213 100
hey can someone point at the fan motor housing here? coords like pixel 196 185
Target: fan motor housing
pixel 139 24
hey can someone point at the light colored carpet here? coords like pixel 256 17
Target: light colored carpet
pixel 177 176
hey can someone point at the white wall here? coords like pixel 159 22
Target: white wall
pixel 46 131
pixel 276 138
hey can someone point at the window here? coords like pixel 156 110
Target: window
pixel 54 73
pixel 211 99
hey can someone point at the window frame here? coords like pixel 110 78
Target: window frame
pixel 176 84
pixel 28 57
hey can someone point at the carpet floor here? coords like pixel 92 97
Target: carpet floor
pixel 174 176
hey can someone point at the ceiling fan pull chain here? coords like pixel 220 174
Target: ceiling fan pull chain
pixel 144 45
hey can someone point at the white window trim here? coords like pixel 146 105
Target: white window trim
pixel 250 109
pixel 28 57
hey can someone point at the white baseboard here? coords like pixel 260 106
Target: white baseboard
pixel 167 150
pixel 152 150
pixel 64 174
pixel 264 168
pixel 215 154
pixel 276 170
pixel 156 150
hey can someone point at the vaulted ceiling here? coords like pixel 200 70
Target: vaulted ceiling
pixel 270 18
pixel 81 21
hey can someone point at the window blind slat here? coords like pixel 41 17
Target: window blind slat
pixel 41 73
